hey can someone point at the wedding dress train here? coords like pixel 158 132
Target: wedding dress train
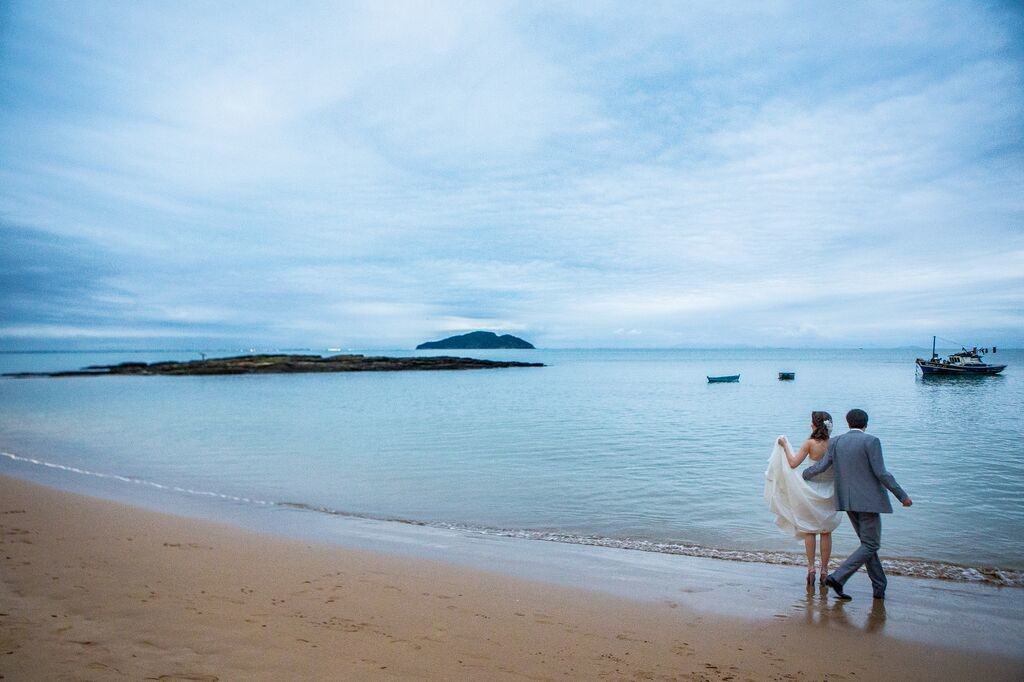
pixel 800 506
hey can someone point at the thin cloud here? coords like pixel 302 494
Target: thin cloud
pixel 380 173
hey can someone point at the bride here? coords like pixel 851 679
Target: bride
pixel 804 508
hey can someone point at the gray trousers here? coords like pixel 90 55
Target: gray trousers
pixel 868 526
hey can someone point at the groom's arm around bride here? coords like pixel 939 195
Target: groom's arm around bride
pixel 861 481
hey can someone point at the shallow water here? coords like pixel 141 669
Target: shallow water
pixel 620 448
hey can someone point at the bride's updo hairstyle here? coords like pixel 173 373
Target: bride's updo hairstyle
pixel 822 422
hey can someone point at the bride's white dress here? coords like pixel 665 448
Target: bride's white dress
pixel 800 506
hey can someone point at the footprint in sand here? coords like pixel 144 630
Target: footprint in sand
pixel 188 545
pixel 96 665
pixel 683 649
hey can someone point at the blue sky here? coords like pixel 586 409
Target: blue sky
pixel 205 175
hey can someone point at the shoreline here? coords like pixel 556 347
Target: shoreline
pixel 94 587
pixel 894 566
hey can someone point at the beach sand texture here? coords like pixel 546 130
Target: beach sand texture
pixel 95 590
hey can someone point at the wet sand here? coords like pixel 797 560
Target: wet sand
pixel 93 589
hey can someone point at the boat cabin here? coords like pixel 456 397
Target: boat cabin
pixel 965 359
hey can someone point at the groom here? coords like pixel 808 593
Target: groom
pixel 860 474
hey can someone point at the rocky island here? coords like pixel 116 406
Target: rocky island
pixel 281 364
pixel 477 340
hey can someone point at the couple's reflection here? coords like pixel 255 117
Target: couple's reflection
pixel 820 610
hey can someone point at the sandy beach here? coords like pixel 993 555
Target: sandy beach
pixel 93 589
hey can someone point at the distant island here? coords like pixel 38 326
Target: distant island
pixel 280 364
pixel 477 340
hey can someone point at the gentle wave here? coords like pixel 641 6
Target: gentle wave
pixel 917 568
pixel 136 481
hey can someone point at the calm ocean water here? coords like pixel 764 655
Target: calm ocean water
pixel 618 448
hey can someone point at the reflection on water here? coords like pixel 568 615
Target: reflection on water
pixel 820 610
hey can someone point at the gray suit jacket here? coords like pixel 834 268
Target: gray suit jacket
pixel 860 473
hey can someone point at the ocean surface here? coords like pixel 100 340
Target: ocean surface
pixel 618 448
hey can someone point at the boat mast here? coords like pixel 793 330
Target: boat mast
pixel 933 349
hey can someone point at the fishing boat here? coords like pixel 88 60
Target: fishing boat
pixel 787 376
pixel 964 363
pixel 727 379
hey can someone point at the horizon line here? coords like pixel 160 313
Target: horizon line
pixel 333 349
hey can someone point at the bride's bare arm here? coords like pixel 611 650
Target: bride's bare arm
pixel 801 455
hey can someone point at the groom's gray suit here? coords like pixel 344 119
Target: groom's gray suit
pixel 861 480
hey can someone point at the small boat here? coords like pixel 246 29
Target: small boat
pixel 787 376
pixel 964 363
pixel 728 379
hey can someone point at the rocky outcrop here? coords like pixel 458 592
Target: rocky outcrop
pixel 282 364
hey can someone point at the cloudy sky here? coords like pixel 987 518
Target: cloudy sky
pixel 588 174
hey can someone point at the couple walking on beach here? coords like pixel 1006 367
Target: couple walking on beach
pixel 847 474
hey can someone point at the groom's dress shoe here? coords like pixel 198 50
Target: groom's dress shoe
pixel 837 588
